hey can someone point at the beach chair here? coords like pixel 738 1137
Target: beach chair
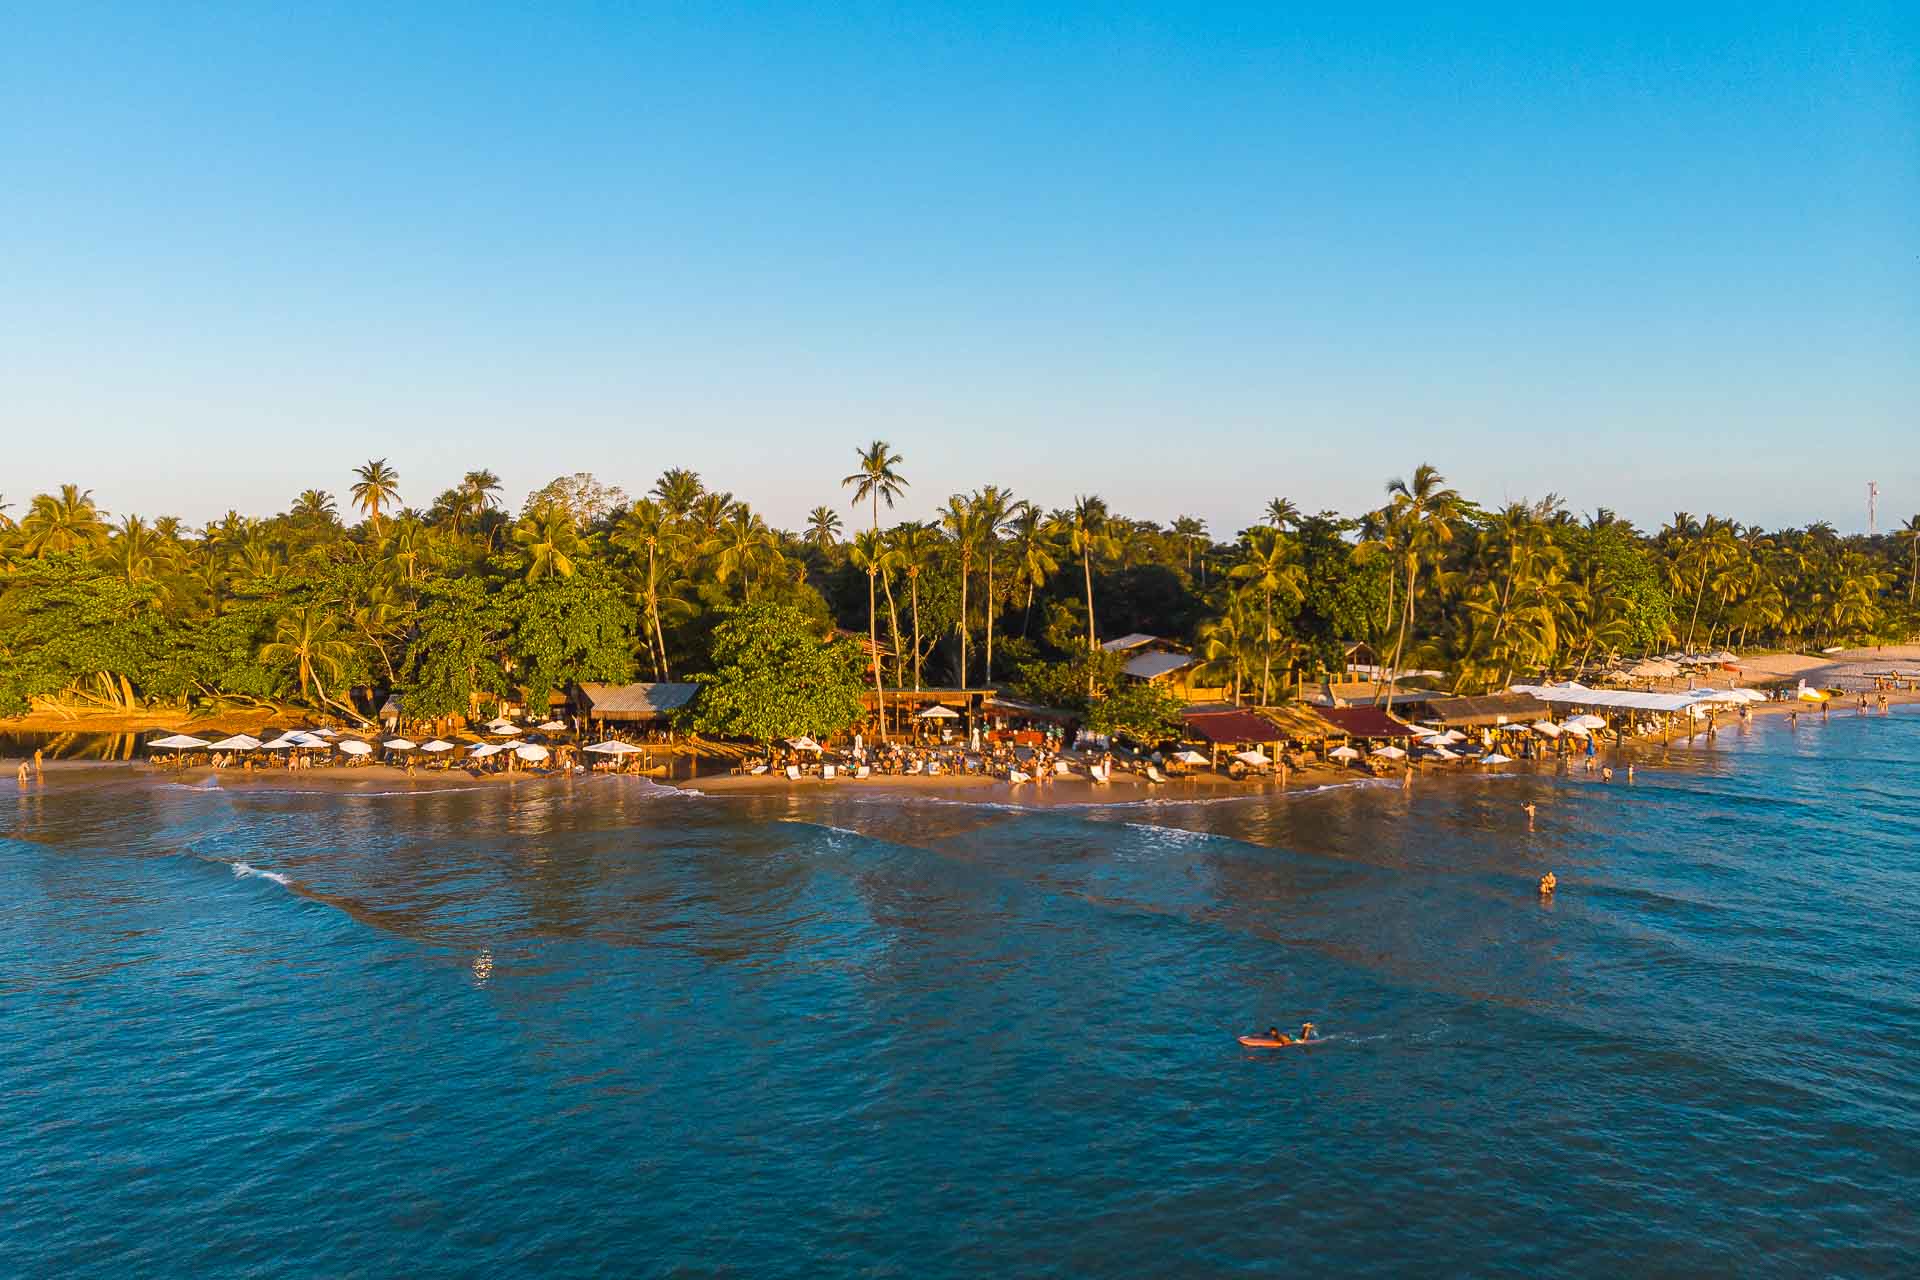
pixel 1154 775
pixel 793 773
pixel 863 772
pixel 1062 769
pixel 828 771
pixel 758 769
pixel 1014 775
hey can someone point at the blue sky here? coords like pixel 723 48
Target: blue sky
pixel 1187 256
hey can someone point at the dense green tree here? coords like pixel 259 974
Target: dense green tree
pixel 774 676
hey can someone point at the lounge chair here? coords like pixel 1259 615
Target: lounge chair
pixel 758 769
pixel 793 773
pixel 827 771
pixel 863 772
pixel 1014 775
pixel 1154 775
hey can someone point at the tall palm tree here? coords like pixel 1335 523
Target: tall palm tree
pixel 67 521
pixel 875 553
pixel 744 548
pixel 966 531
pixel 1282 514
pixel 992 505
pixel 314 506
pixel 6 521
pixel 876 479
pixel 1424 514
pixel 1190 530
pixel 823 529
pixel 678 489
pixel 913 545
pixel 646 529
pixel 1271 567
pixel 1911 532
pixel 1084 529
pixel 378 487
pixel 1033 558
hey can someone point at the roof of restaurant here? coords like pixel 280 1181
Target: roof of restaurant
pixel 1132 640
pixel 1226 726
pixel 1364 722
pixel 1151 666
pixel 637 699
pixel 1493 708
pixel 1301 723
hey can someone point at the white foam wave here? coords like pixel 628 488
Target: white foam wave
pixel 243 870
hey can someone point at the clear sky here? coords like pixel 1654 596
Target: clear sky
pixel 1184 255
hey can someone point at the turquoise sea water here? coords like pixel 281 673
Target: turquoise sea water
pixel 609 1029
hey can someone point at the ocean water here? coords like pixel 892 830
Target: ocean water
pixel 605 1028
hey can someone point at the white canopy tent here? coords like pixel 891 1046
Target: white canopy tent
pixel 178 742
pixel 1623 699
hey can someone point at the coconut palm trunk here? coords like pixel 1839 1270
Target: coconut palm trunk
pixel 873 627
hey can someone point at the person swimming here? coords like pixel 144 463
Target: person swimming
pixel 1308 1031
pixel 1278 1036
pixel 1548 883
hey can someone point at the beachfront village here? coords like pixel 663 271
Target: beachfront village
pixel 589 629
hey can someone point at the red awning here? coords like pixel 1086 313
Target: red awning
pixel 1225 728
pixel 1363 722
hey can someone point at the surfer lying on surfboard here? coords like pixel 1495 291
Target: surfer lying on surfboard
pixel 1278 1039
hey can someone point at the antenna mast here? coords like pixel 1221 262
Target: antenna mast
pixel 1873 508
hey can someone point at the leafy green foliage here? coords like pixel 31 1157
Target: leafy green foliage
pixel 775 677
pixel 1141 713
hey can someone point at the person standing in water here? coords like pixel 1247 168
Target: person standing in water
pixel 1527 808
pixel 1548 883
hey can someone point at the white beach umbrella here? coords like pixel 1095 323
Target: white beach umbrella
pixel 1423 731
pixel 532 752
pixel 1572 728
pixel 501 726
pixel 238 742
pixel 1388 752
pixel 1343 753
pixel 178 742
pixel 613 747
pixel 437 746
pixel 1547 727
pixel 552 726
pixel 484 750
pixel 285 742
pixel 803 743
pixel 354 747
pixel 512 744
pixel 1256 756
pixel 1189 757
pixel 939 713
pixel 1494 757
pixel 1441 753
pixel 1588 721
pixel 400 744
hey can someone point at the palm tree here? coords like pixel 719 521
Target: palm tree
pixel 550 541
pixel 6 521
pixel 1033 559
pixel 876 479
pixel 823 529
pixel 309 638
pixel 744 548
pixel 913 545
pixel 1423 513
pixel 132 552
pixel 377 487
pixel 647 529
pixel 678 489
pixel 1911 532
pixel 67 521
pixel 965 528
pixel 992 505
pixel 1282 514
pixel 874 552
pixel 1271 567
pixel 1085 531
pixel 315 506
pixel 1189 530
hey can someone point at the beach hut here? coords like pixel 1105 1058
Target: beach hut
pixel 647 705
